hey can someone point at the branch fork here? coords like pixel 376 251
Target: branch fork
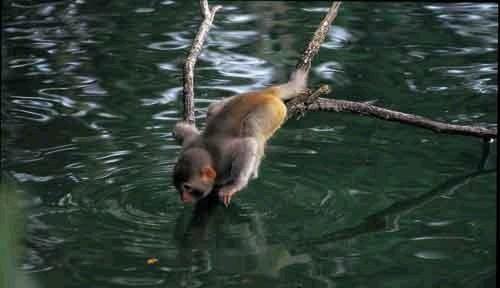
pixel 310 100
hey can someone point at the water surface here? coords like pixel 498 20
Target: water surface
pixel 90 93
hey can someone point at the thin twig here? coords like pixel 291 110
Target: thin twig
pixel 188 81
pixel 318 38
pixel 299 105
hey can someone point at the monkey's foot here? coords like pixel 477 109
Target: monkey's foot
pixel 225 194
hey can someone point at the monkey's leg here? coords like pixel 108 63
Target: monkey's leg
pixel 260 154
pixel 243 165
pixel 216 107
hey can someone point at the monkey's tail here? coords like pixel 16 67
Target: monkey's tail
pixel 296 85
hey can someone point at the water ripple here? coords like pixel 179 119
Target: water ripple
pixel 179 40
pixel 42 109
pixel 144 10
pixel 481 77
pixel 472 20
pixel 232 39
pixel 92 97
pixel 58 149
pixel 332 71
pixel 20 62
pixel 33 116
pixel 24 177
pixel 338 37
pixel 241 66
pixel 167 96
pixel 168 115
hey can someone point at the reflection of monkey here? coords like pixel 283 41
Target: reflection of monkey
pixel 230 149
pixel 211 239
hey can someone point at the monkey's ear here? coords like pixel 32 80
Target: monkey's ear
pixel 208 173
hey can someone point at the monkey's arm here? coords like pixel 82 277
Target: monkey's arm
pixel 245 151
pixel 185 132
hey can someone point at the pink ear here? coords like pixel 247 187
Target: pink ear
pixel 208 173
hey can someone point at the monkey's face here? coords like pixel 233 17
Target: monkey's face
pixel 197 187
pixel 194 175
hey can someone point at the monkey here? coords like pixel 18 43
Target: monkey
pixel 227 154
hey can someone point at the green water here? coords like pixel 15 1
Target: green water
pixel 90 93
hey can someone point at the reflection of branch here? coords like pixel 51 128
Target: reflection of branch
pixel 188 87
pixel 378 221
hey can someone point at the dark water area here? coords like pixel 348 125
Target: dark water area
pixel 91 91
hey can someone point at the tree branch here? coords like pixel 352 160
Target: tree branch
pixel 188 80
pixel 311 101
pixel 300 104
pixel 318 38
pixel 322 104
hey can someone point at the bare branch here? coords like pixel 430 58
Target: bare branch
pixel 188 81
pixel 323 104
pixel 205 10
pixel 318 38
pixel 310 101
pixel 300 104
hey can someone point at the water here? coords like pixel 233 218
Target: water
pixel 90 93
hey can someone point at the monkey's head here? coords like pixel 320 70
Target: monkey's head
pixel 194 175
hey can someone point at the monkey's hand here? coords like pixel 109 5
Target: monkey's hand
pixel 184 131
pixel 226 193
